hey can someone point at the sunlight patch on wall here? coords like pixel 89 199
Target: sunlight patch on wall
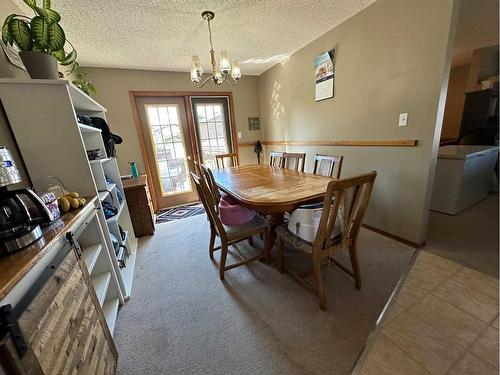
pixel 273 59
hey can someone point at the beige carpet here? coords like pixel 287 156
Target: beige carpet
pixel 182 319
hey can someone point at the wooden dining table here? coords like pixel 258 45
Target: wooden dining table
pixel 271 190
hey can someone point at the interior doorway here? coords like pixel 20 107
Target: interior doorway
pixel 176 130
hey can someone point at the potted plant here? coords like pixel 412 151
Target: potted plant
pixel 41 40
pixel 83 81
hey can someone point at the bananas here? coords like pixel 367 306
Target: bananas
pixel 70 201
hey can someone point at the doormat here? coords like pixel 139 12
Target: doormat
pixel 176 213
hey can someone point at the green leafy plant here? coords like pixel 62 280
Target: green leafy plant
pixel 83 81
pixel 42 33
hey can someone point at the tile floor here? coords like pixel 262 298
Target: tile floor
pixel 443 321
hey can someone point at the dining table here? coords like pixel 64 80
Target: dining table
pixel 271 191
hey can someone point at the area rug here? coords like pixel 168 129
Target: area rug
pixel 181 212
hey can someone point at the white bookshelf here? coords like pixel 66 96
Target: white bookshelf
pixel 55 145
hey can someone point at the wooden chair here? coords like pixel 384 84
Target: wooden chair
pixel 294 160
pixel 276 159
pixel 232 157
pixel 230 235
pixel 328 165
pixel 214 189
pixel 348 199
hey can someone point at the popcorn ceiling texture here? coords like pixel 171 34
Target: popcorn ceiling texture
pixel 163 34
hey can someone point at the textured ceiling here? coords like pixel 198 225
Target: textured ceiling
pixel 477 27
pixel 163 34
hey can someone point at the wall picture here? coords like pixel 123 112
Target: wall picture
pixel 324 72
pixel 253 123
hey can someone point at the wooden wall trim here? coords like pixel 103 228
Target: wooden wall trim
pixel 372 143
pixel 394 237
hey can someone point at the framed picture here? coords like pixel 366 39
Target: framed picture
pixel 253 123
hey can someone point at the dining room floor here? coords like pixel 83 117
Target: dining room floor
pixel 181 319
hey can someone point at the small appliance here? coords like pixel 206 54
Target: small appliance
pixel 304 222
pixel 18 228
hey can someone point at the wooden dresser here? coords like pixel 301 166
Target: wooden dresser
pixel 140 205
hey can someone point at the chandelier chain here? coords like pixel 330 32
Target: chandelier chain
pixel 210 35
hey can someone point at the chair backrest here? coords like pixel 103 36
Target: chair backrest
pixel 212 186
pixel 328 165
pixel 294 160
pixel 232 160
pixel 276 159
pixel 208 203
pixel 348 198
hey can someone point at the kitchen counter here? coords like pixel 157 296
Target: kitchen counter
pixel 15 266
pixel 441 318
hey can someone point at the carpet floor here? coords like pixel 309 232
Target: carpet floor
pixel 181 319
pixel 469 238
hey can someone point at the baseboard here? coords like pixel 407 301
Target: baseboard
pixel 394 237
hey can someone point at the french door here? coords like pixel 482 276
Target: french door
pixel 168 148
pixel 213 130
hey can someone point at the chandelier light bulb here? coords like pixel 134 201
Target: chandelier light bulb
pixel 225 66
pixel 236 72
pixel 196 69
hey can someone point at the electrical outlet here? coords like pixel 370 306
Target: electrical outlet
pixel 403 119
pixel 239 135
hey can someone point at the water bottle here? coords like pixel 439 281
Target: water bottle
pixel 133 169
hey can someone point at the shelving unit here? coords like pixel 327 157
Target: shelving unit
pixel 90 255
pixel 101 283
pixel 57 146
pixel 110 310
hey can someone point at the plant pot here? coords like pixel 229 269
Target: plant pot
pixel 40 65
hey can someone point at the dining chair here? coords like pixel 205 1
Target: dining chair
pixel 345 200
pixel 276 159
pixel 232 159
pixel 294 160
pixel 214 189
pixel 230 235
pixel 328 165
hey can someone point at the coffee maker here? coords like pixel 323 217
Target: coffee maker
pixel 18 228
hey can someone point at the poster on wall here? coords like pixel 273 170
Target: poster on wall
pixel 324 72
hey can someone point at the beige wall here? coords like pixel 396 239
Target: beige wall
pixel 113 87
pixel 8 70
pixel 392 57
pixel 455 101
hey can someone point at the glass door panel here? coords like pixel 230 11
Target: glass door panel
pixel 168 148
pixel 211 117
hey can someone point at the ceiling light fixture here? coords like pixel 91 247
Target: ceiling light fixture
pixel 219 74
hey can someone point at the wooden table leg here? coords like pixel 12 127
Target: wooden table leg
pixel 274 220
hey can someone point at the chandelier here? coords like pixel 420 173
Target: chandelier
pixel 219 74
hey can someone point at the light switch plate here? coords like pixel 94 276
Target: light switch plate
pixel 239 135
pixel 403 119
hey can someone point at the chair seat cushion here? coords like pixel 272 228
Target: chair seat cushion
pixel 297 242
pixel 239 231
pixel 232 213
